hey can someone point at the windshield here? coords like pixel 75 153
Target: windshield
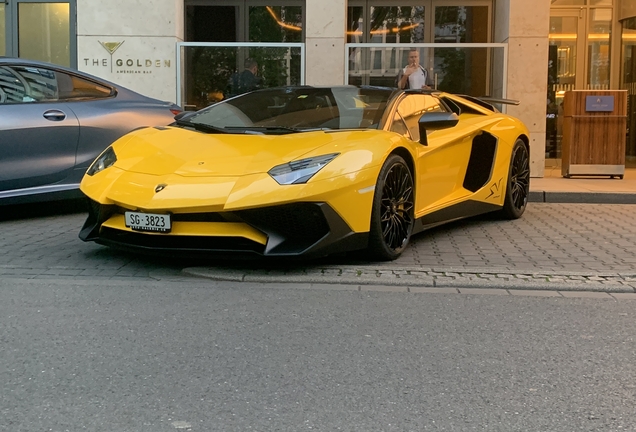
pixel 297 108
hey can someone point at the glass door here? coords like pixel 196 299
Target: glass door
pixel 39 30
pixel 461 71
pixel 3 30
pixel 566 71
pixel 44 32
pixel 209 69
pixel 628 82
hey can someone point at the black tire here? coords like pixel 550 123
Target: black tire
pixel 392 215
pixel 518 184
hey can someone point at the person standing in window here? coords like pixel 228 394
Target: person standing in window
pixel 414 75
pixel 245 81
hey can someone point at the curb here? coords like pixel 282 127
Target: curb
pixel 429 278
pixel 582 197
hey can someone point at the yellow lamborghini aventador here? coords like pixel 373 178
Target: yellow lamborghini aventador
pixel 308 171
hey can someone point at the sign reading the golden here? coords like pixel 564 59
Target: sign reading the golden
pixel 308 171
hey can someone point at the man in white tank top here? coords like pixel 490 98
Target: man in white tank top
pixel 414 75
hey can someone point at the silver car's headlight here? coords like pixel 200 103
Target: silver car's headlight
pixel 300 171
pixel 103 161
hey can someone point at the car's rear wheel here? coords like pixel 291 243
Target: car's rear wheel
pixel 393 210
pixel 518 186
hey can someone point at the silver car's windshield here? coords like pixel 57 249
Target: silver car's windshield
pixel 297 108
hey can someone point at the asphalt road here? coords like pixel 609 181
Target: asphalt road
pixel 93 339
pixel 191 354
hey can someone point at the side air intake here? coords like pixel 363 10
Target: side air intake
pixel 482 158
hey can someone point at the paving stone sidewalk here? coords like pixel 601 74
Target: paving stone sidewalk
pixel 554 246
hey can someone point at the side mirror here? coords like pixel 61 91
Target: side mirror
pixel 432 121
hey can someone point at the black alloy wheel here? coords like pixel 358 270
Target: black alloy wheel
pixel 392 216
pixel 518 186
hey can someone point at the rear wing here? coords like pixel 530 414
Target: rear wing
pixel 488 101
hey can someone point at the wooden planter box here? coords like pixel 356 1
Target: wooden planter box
pixel 594 130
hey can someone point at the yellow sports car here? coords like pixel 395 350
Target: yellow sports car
pixel 308 171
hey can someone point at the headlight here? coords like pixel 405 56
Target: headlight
pixel 301 171
pixel 103 161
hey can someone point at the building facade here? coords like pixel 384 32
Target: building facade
pixel 184 50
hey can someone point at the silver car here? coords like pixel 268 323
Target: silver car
pixel 55 121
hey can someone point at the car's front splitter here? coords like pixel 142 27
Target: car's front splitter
pixel 297 229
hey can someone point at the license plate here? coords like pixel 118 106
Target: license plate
pixel 147 221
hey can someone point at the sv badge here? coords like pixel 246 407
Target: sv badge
pixel 495 190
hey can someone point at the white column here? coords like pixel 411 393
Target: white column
pixel 132 43
pixel 524 25
pixel 324 41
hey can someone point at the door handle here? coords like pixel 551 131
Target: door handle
pixel 54 115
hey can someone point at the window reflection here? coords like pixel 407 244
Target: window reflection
pixel 396 24
pixel 562 55
pixel 567 2
pixel 355 24
pixel 275 23
pixel 209 70
pixel 44 32
pixel 598 47
pixel 461 24
pixel 462 71
pixel 3 41
pixel 199 17
pixel 413 107
pixel 455 70
pixel 628 82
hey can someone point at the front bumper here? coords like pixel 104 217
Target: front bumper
pixel 298 229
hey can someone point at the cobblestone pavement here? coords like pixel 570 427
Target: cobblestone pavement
pixel 553 247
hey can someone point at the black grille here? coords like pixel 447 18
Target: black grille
pixel 198 217
pixel 170 242
pixel 300 223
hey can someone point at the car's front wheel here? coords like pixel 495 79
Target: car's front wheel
pixel 518 186
pixel 392 215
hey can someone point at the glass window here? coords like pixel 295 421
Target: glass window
pixel 461 24
pixel 265 110
pixel 70 87
pixel 598 47
pixel 397 24
pixel 44 32
pixel 23 84
pixel 465 70
pixel 244 20
pixel 567 2
pixel 12 87
pixel 628 82
pixel 355 24
pixel 462 71
pixel 399 127
pixel 275 23
pixel 3 41
pixel 225 23
pixel 563 55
